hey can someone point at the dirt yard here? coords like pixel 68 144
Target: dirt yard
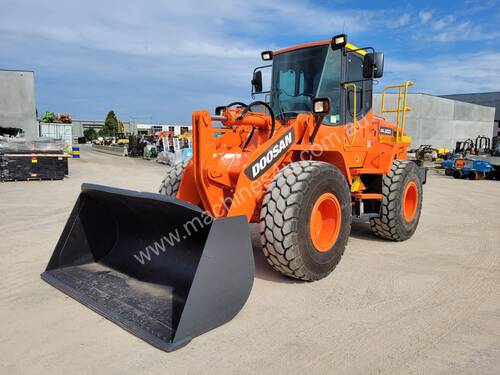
pixel 430 305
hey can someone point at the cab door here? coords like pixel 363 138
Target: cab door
pixel 357 99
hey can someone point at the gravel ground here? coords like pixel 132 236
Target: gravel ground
pixel 430 305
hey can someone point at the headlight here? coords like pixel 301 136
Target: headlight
pixel 321 106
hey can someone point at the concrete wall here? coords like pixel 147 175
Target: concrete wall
pixel 17 101
pixel 488 99
pixel 438 121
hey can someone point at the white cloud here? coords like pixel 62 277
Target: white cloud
pixel 471 7
pixel 451 29
pixel 178 39
pixel 461 73
pixel 400 21
pixel 425 16
pixel 443 22
pixel 204 51
pixel 192 28
pixel 464 31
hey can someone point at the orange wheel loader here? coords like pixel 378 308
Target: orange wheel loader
pixel 301 162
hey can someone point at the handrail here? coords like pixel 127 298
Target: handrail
pixel 401 109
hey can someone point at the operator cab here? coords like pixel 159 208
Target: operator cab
pixel 330 70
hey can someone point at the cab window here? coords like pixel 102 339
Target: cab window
pixel 363 88
pixel 329 86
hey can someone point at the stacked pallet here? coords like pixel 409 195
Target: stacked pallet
pixel 40 159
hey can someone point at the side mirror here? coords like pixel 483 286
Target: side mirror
pixel 373 65
pixel 257 82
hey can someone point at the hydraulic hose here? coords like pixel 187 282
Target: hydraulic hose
pixel 237 103
pixel 271 113
pixel 248 139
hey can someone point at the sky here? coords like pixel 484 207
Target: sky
pixel 157 61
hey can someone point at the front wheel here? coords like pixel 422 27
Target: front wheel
pixel 170 184
pixel 402 202
pixel 305 220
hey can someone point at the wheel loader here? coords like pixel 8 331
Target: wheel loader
pixel 301 163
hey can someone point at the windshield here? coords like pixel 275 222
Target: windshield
pixel 299 76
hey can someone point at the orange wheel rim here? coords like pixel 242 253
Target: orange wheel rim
pixel 325 222
pixel 410 201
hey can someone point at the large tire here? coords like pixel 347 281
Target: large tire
pixel 286 225
pixel 402 202
pixel 170 184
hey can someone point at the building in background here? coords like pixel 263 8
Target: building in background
pixel 438 121
pixel 17 101
pixel 79 126
pixel 131 128
pixel 488 99
pixel 152 129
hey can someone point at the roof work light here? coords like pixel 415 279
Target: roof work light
pixel 267 55
pixel 339 41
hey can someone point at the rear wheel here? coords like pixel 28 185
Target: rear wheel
pixel 475 175
pixel 305 220
pixel 170 184
pixel 402 202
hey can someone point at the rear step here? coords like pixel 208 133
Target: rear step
pixel 117 255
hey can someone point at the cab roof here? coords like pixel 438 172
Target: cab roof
pixel 350 46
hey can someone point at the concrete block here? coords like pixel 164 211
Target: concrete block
pixel 17 101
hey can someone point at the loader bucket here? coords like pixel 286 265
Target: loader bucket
pixel 156 266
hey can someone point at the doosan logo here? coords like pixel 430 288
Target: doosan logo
pixel 269 157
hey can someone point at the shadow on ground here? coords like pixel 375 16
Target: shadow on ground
pixel 359 230
pixel 263 270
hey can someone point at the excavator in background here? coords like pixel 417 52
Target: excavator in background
pixel 463 148
pixel 122 138
pixel 474 160
pixel 481 146
pixel 427 153
pixel 495 148
pixel 168 267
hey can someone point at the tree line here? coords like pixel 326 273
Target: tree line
pixel 110 128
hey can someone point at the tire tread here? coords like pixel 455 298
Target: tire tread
pixel 170 184
pixel 279 217
pixel 386 225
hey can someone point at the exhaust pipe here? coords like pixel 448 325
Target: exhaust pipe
pixel 156 266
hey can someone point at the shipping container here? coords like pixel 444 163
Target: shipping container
pixel 63 132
